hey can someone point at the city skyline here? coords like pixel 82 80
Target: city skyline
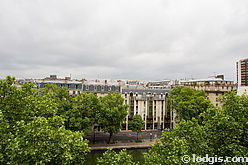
pixel 138 40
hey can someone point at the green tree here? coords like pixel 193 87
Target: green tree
pixel 112 113
pixel 229 126
pixel 187 138
pixel 61 97
pixel 83 114
pixel 5 135
pixel 31 132
pixel 237 107
pixel 79 111
pixel 24 103
pixel 167 151
pixel 222 132
pixel 40 142
pixel 137 124
pixel 188 102
pixel 110 157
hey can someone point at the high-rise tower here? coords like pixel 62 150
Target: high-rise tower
pixel 242 76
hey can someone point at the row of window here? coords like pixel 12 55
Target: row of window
pixel 137 103
pixel 131 94
pixel 70 86
pixel 76 92
pixel 208 83
pixel 215 87
pixel 109 88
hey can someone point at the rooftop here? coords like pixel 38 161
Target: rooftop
pixel 204 80
pixel 59 81
pixel 141 91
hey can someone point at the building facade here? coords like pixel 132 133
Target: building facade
pixel 101 88
pixel 214 87
pixel 74 87
pixel 242 76
pixel 150 105
pixel 164 84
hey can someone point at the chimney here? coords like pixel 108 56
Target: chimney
pixel 68 78
pixel 220 76
pixel 53 77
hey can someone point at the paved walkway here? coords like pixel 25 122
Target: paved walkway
pixel 124 139
pixel 123 136
pixel 119 145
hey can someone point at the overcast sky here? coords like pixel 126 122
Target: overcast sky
pixel 122 39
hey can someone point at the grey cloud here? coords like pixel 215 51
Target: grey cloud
pixel 141 39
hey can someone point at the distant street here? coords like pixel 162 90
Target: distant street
pixel 123 137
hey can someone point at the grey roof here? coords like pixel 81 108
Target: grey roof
pixel 60 81
pixel 243 59
pixel 101 88
pixel 203 80
pixel 141 91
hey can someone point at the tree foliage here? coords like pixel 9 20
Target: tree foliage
pixel 60 96
pixel 188 102
pixel 222 132
pixel 137 124
pixel 110 157
pixel 41 142
pixel 167 151
pixel 230 126
pixel 31 130
pixel 112 113
pixel 24 103
pixel 83 114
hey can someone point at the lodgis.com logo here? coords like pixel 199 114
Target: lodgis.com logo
pixel 186 159
pixel 215 159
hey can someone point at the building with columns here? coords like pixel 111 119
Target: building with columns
pixel 142 99
pixel 150 104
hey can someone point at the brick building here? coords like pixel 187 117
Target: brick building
pixel 242 76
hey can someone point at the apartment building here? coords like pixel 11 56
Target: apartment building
pixel 74 87
pixel 214 87
pixel 150 104
pixel 101 87
pixel 163 84
pixel 242 76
